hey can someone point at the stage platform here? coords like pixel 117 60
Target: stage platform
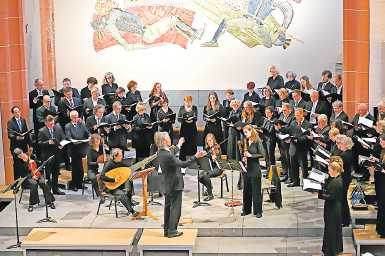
pixel 295 229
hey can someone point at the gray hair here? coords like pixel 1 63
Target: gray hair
pixel 323 116
pixel 73 113
pixel 159 138
pixel 337 104
pixel 293 74
pixel 115 152
pixel 347 141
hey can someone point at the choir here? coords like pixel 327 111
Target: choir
pixel 293 116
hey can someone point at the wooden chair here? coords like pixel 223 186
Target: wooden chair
pixel 86 180
pixel 104 196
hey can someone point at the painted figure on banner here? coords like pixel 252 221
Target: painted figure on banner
pixel 251 21
pixel 142 26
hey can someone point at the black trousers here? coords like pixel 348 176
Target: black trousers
pixel 297 160
pixel 172 210
pixel 52 175
pixel 124 196
pixel 34 194
pixel 77 169
pixel 205 176
pixel 252 194
pixel 285 157
pixel 345 205
pixel 269 146
pixel 91 174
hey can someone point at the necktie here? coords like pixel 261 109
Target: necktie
pixel 51 133
pixel 72 103
pixel 19 124
pixel 97 121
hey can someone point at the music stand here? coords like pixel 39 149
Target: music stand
pixel 143 176
pixel 47 217
pixel 204 164
pixel 15 187
pixel 233 165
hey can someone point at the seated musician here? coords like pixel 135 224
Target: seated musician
pixel 213 151
pixel 34 180
pixel 124 192
pixel 94 153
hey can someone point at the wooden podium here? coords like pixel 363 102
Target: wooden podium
pixel 143 175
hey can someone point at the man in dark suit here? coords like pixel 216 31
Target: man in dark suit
pixel 338 112
pixel 325 84
pixel 95 120
pixel 67 84
pixel 170 166
pixel 17 126
pixel 286 117
pixel 338 88
pixel 85 93
pixel 76 130
pixel 35 100
pixel 298 102
pixel 48 140
pixel 317 107
pixel 117 138
pixel 92 101
pixel 298 147
pixel 67 104
pixel 43 111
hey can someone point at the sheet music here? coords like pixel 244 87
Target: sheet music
pixel 365 121
pixel 64 142
pixel 362 158
pixel 320 159
pixel 370 140
pixel 363 142
pixel 80 141
pixel 283 136
pixel 311 185
pixel 318 176
pixel 324 152
pixel 315 135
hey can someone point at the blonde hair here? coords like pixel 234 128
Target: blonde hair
pixel 335 166
pixel 140 107
pixel 254 134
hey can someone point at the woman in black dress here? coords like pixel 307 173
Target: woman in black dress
pixel 142 132
pixel 233 131
pixel 187 116
pixel 211 114
pixel 109 85
pixel 156 95
pixel 267 99
pixel 252 152
pixel 94 152
pixel 133 96
pixel 344 145
pixel 163 117
pixel 332 194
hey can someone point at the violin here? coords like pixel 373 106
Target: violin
pixel 32 167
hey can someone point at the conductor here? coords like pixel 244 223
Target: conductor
pixel 173 181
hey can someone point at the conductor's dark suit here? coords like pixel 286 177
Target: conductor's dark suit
pixel 173 181
pixel 47 150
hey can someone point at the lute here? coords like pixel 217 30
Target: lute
pixel 122 174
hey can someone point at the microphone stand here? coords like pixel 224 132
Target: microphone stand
pixel 15 187
pixel 47 217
